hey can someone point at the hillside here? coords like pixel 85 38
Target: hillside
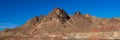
pixel 58 25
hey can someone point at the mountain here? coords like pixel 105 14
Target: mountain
pixel 58 25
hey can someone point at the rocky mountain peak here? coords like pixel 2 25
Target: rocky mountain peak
pixel 59 14
pixel 58 25
pixel 87 15
pixel 77 14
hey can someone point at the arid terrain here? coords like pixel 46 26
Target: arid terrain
pixel 58 25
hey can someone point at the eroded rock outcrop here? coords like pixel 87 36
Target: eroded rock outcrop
pixel 58 25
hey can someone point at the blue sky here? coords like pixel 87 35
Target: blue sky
pixel 14 13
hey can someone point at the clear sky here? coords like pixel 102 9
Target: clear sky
pixel 14 13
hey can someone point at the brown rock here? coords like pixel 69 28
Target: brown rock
pixel 58 25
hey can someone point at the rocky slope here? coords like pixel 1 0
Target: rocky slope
pixel 58 25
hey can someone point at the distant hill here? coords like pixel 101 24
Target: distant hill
pixel 58 25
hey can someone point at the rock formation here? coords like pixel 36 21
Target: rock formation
pixel 58 25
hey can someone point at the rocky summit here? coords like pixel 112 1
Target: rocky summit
pixel 58 25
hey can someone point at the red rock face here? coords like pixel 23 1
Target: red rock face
pixel 58 25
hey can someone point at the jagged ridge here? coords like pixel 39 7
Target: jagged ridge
pixel 59 24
